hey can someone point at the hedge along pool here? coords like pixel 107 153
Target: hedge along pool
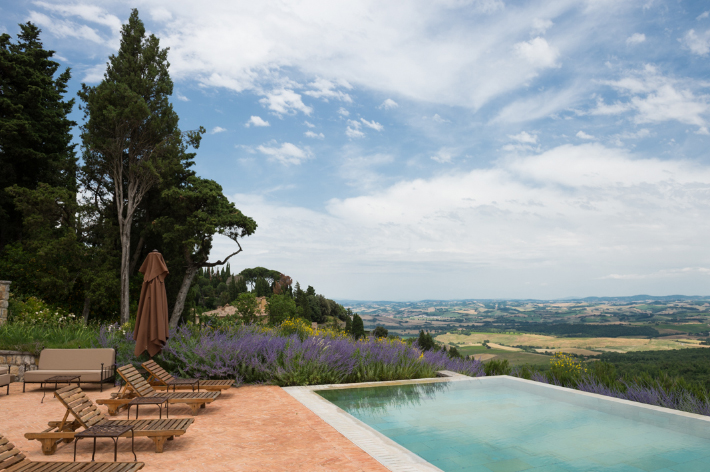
pixel 509 424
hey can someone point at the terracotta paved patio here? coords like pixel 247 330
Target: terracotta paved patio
pixel 250 428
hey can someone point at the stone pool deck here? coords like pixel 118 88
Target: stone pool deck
pixel 253 428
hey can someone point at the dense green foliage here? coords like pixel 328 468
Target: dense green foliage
pixel 358 328
pixel 35 139
pixel 139 192
pixel 691 365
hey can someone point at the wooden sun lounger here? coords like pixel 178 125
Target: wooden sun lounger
pixel 12 460
pixel 160 379
pixel 86 415
pixel 136 386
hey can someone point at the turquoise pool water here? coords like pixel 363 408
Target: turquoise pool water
pixel 465 426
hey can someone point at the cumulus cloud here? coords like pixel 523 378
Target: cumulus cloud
pixel 538 52
pixel 540 26
pixel 263 43
pixel 311 134
pixel 372 124
pixel 325 89
pixel 256 121
pixel 343 112
pixel 181 97
pixel 218 129
pixel 388 104
pixel 583 135
pixel 656 98
pixel 353 130
pixel 285 102
pixel 443 156
pixel 286 154
pixel 531 218
pixel 636 38
pixel 524 137
pixel 309 124
pixel 697 43
pixel 439 119
pixel 703 15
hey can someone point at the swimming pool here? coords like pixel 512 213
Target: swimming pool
pixel 506 424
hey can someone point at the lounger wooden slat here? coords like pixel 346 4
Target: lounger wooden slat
pixel 12 460
pixel 139 387
pixel 65 430
pixel 159 379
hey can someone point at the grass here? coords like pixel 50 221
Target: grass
pixel 34 338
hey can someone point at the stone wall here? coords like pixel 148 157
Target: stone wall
pixel 18 362
pixel 4 297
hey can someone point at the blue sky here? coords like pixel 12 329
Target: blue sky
pixel 439 149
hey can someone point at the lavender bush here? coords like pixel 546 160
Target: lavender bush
pixel 255 354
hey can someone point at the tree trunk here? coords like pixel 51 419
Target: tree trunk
pixel 125 265
pixel 182 295
pixel 87 309
pixel 136 255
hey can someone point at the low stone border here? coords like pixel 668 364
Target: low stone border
pixel 17 363
pixel 385 451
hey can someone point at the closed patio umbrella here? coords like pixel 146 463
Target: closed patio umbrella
pixel 151 331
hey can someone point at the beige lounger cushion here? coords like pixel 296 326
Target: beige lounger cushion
pixel 83 362
pixel 86 375
pixel 76 359
pixel 5 379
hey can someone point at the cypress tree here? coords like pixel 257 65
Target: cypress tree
pixel 358 327
pixel 35 131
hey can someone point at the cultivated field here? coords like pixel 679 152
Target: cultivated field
pixel 567 344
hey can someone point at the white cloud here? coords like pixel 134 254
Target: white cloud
pixel 372 124
pixel 388 104
pixel 443 155
pixel 703 15
pixel 217 129
pixel 287 153
pixel 325 89
pixel 524 137
pixel 540 26
pixel 491 230
pixel 538 53
pixel 342 111
pixel 439 119
pixel 656 98
pixel 181 97
pixel 309 124
pixel 636 38
pixel 697 43
pixel 311 134
pixel 256 121
pixel 285 102
pixel 94 74
pixel 583 135
pixel 353 130
pixel 64 28
pixel 541 105
pixel 613 109
pixel 161 14
pixel 391 49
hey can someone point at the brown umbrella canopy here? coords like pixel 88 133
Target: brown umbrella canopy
pixel 151 331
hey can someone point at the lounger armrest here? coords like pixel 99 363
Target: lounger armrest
pixel 108 371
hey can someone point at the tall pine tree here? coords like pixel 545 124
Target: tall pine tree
pixel 130 135
pixel 35 131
